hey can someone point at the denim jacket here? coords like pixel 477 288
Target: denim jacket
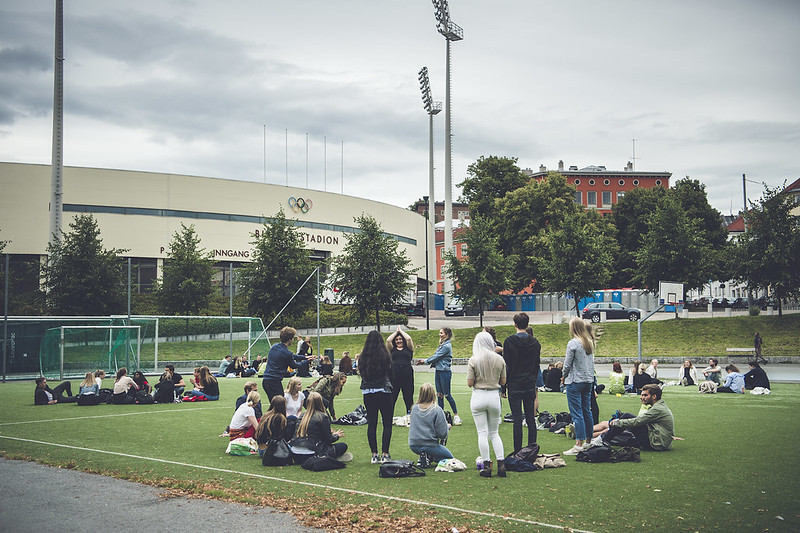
pixel 442 358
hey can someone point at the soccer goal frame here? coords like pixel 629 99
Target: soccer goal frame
pixel 110 342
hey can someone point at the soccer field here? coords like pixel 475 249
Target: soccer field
pixel 735 470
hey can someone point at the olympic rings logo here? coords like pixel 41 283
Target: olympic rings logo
pixel 300 205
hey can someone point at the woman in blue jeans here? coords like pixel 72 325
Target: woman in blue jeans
pixel 441 361
pixel 428 426
pixel 578 376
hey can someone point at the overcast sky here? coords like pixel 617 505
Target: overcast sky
pixel 708 89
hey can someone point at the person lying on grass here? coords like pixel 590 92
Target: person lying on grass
pixel 44 395
pixel 654 428
pixel 244 421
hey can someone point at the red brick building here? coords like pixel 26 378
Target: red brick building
pixel 600 188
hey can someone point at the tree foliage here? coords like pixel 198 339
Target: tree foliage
pixel 370 273
pixel 488 179
pixel 630 215
pixel 521 221
pixel 767 253
pixel 186 286
pixel 672 249
pixel 81 277
pixel 483 274
pixel 279 267
pixel 577 257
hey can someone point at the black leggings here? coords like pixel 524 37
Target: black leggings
pixel 374 402
pixel 403 379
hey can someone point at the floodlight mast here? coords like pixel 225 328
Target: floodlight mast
pixel 432 108
pixel 451 32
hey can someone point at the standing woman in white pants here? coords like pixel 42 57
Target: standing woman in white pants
pixel 486 373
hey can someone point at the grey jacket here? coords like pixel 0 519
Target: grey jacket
pixel 578 365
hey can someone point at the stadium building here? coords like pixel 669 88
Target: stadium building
pixel 141 211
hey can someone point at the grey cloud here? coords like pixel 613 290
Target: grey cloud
pixel 748 131
pixel 23 59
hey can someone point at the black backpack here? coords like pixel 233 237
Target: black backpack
pixel 143 398
pixel 595 454
pixel 400 469
pixel 564 417
pixel 546 419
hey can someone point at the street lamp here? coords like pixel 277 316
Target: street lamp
pixel 432 108
pixel 451 32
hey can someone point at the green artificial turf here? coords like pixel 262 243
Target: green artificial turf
pixel 736 470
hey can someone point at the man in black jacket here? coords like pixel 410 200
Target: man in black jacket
pixel 521 352
pixel 44 395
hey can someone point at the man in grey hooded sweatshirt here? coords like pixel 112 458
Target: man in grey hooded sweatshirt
pixel 521 353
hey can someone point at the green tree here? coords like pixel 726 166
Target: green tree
pixel 578 256
pixel 521 221
pixel 185 286
pixel 370 273
pixel 672 249
pixel 488 179
pixel 630 216
pixel 767 253
pixel 484 272
pixel 280 266
pixel 81 277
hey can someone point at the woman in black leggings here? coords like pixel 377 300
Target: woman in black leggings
pixel 401 347
pixel 375 366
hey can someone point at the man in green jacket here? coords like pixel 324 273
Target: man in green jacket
pixel 654 427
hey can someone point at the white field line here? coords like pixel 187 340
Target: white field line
pixel 308 484
pixel 112 415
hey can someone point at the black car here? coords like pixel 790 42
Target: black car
pixel 739 303
pixel 612 310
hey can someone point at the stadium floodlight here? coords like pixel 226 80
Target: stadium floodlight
pixel 432 108
pixel 451 32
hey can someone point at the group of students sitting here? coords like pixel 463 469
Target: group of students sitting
pixel 301 419
pixel 129 390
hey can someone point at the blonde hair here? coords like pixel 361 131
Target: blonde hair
pixel 427 396
pixel 88 381
pixel 253 398
pixel 326 360
pixel 578 330
pixel 314 405
pixel 294 386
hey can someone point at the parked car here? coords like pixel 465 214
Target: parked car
pixel 720 303
pixel 612 310
pixel 739 303
pixel 457 308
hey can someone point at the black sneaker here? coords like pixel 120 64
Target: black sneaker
pixel 424 460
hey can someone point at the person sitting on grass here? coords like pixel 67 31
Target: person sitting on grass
pixel 244 421
pixel 428 428
pixel 205 385
pixel 249 387
pixel 329 387
pixel 346 364
pixel 314 435
pixel 178 382
pixel 687 375
pixel 640 379
pixel 294 398
pixel 44 395
pixel 553 381
pixel 165 388
pixel 654 428
pixel 713 372
pixel 273 425
pixel 326 367
pixel 142 382
pixel 99 374
pixel 616 379
pixel 223 367
pixel 124 388
pixel 89 393
pixel 756 377
pixel 734 382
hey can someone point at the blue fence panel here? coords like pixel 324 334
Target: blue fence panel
pixel 438 302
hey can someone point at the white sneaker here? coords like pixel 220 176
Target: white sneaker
pixel 346 457
pixel 598 441
pixel 407 419
pixel 587 445
pixel 575 450
pixel 456 420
